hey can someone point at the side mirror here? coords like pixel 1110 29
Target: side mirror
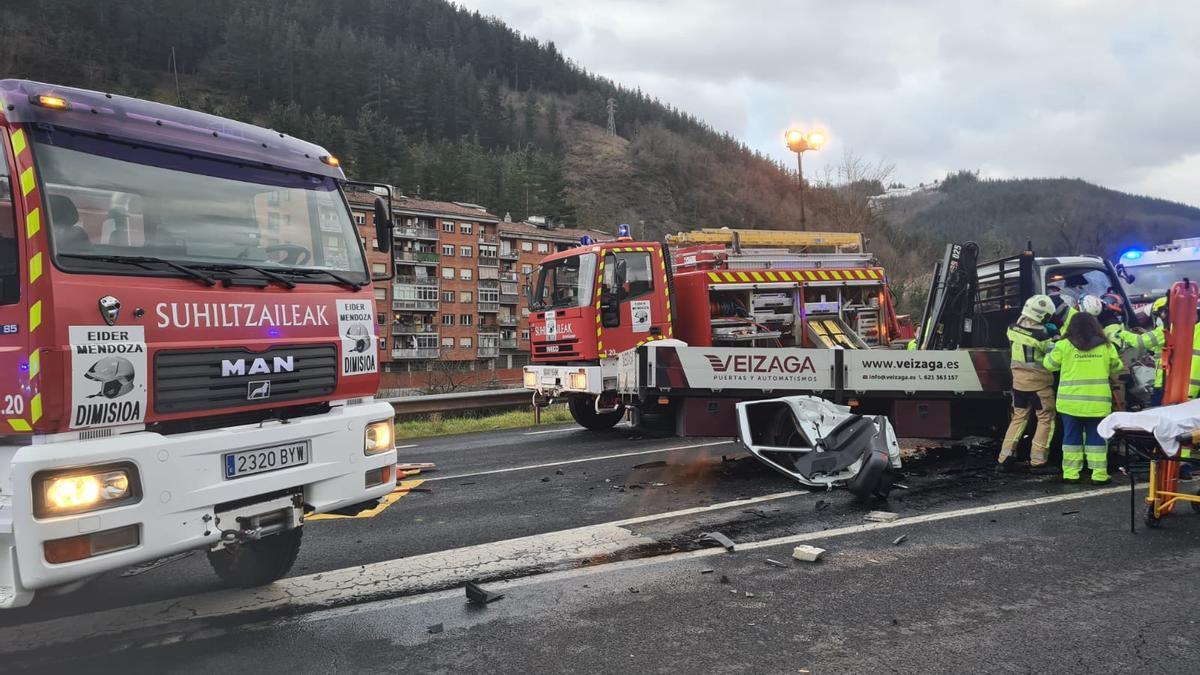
pixel 383 225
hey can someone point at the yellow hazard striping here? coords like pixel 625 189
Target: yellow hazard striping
pixel 18 142
pixel 35 316
pixel 388 499
pixel 35 407
pixel 35 363
pixel 33 223
pixel 19 425
pixel 757 276
pixel 860 274
pixel 743 277
pixel 35 267
pixel 27 182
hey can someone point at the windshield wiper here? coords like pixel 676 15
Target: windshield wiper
pixel 142 260
pixel 273 276
pixel 332 275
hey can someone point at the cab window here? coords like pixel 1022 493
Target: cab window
pixel 1076 282
pixel 639 275
pixel 10 277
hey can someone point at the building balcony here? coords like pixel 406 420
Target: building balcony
pixel 508 343
pixel 489 274
pixel 509 277
pixel 404 232
pixel 417 257
pixel 488 261
pixel 507 320
pixel 489 307
pixel 489 352
pixel 489 239
pixel 413 328
pixel 509 298
pixel 411 280
pixel 417 353
pixel 415 305
pixel 510 255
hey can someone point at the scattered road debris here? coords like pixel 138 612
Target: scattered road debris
pixel 559 472
pixel 707 571
pixel 881 516
pixel 821 505
pixel 724 579
pixel 545 479
pixel 1070 513
pixel 633 590
pixel 154 564
pixel 749 594
pixel 477 595
pixel 416 466
pixel 435 628
pixel 756 512
pixel 807 553
pixel 718 538
pixel 775 563
pixel 899 540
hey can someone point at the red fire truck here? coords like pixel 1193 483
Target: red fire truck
pixel 187 324
pixel 737 315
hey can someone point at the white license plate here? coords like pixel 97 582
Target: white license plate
pixel 250 462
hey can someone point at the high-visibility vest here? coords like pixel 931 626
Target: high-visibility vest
pixel 1194 386
pixel 1028 346
pixel 1153 342
pixel 1083 385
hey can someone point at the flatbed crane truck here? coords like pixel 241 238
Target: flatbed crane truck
pixel 678 333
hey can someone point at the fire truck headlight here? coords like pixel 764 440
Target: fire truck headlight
pixel 380 437
pixel 65 492
pixel 577 380
pixel 530 380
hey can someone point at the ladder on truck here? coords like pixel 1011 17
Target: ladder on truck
pixel 831 331
pixel 799 242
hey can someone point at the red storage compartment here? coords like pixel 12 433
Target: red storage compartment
pixel 921 419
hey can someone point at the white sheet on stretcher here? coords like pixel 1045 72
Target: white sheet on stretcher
pixel 1165 423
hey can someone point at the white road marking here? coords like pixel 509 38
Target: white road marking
pixel 552 431
pixel 575 461
pixel 174 620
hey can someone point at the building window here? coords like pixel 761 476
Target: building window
pixel 524 335
pixel 448 250
pixel 526 269
pixel 374 244
pixel 273 198
pixel 465 343
pixel 360 219
pixel 464 228
pixel 381 318
pixel 381 294
pixel 524 311
pixel 447 319
pixel 448 227
pixel 464 274
pixel 447 272
pixel 466 319
pixel 378 268
pixel 543 247
pixel 465 296
pixel 527 246
pixel 489 295
pixel 273 221
pixel 448 343
pixel 447 296
pixel 464 251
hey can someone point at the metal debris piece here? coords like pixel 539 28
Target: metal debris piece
pixel 435 628
pixel 545 479
pixel 477 595
pixel 899 540
pixel 651 465
pixel 718 538
pixel 749 594
pixel 559 472
pixel 633 590
pixel 881 516
pixel 707 571
pixel 774 563
pixel 733 591
pixel 807 553
pixel 416 466
pixel 756 512
pixel 1069 513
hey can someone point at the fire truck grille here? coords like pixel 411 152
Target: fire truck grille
pixel 232 378
pixel 561 349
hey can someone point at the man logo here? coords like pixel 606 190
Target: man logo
pixel 258 390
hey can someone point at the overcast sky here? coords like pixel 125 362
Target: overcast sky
pixel 1103 90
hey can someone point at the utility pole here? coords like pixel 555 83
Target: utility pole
pixel 798 142
pixel 612 117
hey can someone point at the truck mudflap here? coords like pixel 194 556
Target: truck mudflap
pixel 821 444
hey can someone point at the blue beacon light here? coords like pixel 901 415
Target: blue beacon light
pixel 1131 254
pixel 623 231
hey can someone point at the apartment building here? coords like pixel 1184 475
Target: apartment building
pixel 458 292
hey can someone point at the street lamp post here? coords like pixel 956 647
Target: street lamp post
pixel 798 142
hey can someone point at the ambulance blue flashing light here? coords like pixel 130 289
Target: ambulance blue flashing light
pixel 586 240
pixel 623 232
pixel 1131 254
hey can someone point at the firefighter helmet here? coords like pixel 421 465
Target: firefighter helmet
pixel 1112 302
pixel 361 337
pixel 1038 308
pixel 115 375
pixel 1091 304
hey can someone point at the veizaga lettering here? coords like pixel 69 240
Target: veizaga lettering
pixel 237 315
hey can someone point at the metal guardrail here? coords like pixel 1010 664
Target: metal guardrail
pixel 460 401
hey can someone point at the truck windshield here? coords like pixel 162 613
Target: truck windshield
pixel 565 283
pixel 108 201
pixel 1155 281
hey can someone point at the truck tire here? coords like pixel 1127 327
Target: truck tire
pixel 257 563
pixel 583 409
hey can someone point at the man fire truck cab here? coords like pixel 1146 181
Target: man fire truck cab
pixel 736 315
pixel 183 306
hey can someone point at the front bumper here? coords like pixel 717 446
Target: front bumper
pixel 182 484
pixel 554 381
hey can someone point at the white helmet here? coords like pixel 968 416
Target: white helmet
pixel 1091 304
pixel 1038 308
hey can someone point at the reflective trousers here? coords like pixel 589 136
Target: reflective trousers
pixel 1041 404
pixel 1082 441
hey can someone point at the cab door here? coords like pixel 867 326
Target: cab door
pixel 634 298
pixel 16 402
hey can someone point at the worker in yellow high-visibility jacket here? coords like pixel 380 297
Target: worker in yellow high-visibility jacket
pixel 1085 360
pixel 1032 384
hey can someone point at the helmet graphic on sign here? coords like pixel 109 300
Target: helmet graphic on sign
pixel 115 375
pixel 361 337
